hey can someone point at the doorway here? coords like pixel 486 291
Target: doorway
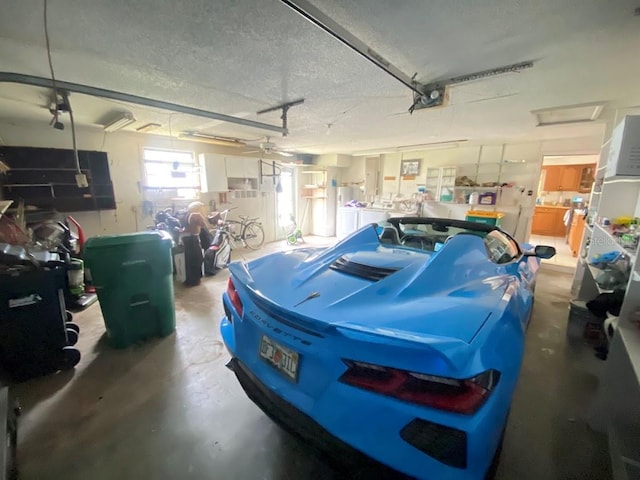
pixel 285 203
pixel 561 205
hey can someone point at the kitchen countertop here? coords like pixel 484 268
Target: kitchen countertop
pixel 553 206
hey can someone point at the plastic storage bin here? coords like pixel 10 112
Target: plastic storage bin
pixel 34 339
pixel 488 198
pixel 490 218
pixel 132 275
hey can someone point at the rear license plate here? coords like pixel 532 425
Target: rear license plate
pixel 282 358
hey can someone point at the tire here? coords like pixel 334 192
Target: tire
pixel 73 326
pixel 253 235
pixel 72 337
pixel 292 239
pixel 69 358
pixel 69 316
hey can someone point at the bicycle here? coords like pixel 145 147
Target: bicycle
pixel 251 234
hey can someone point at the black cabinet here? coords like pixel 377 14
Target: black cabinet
pixel 46 178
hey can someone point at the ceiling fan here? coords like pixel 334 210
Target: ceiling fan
pixel 270 148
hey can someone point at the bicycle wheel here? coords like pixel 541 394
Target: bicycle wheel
pixel 253 235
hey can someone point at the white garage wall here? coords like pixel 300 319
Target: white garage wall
pixel 467 157
pixel 124 150
pixel 125 155
pixel 354 173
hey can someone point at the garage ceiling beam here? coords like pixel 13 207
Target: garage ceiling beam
pixel 341 34
pixel 425 95
pixel 8 77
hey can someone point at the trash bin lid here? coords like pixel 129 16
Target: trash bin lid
pixel 483 213
pixel 125 239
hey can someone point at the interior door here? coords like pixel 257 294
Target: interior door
pixel 285 204
pixel 371 169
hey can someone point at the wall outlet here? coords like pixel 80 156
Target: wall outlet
pixel 81 180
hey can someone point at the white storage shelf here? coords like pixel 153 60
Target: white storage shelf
pixel 314 184
pixel 616 193
pixel 319 198
pixel 603 241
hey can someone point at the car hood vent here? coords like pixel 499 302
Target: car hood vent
pixel 369 272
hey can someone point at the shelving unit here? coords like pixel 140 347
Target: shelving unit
pixel 610 241
pixel 594 274
pixel 616 192
pixel 319 200
pixel 45 178
pixel 441 182
pixel 315 184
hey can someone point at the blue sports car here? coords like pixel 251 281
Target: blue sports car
pixel 401 344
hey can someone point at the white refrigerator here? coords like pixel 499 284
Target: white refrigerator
pixel 346 194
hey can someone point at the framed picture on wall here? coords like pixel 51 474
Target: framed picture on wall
pixel 410 167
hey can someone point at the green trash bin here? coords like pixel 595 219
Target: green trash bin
pixel 133 276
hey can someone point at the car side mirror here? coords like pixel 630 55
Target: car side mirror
pixel 542 251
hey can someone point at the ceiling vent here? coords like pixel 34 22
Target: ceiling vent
pixel 584 112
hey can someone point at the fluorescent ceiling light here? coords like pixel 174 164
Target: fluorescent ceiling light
pixel 148 127
pixel 212 139
pixel 412 148
pixel 585 112
pixel 122 120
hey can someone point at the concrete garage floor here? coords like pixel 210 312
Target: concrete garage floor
pixel 169 409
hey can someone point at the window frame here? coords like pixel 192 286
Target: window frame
pixel 193 165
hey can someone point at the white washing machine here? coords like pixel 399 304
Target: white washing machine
pixel 372 215
pixel 347 221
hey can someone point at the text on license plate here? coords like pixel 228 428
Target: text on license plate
pixel 282 358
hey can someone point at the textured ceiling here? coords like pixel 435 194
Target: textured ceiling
pixel 239 57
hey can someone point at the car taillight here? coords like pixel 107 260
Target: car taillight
pixel 234 297
pixel 453 395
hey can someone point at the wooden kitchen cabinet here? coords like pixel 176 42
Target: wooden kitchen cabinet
pixel 543 220
pixel 549 221
pixel 568 178
pixel 562 178
pixel 575 234
pixel 552 178
pixel 586 176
